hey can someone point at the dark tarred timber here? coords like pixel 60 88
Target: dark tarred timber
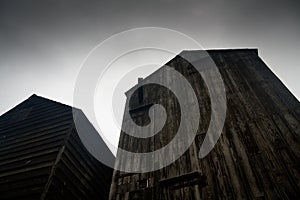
pixel 257 155
pixel 42 156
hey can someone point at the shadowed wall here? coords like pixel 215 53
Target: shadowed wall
pixel 257 155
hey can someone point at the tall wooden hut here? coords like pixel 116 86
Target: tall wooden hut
pixel 257 155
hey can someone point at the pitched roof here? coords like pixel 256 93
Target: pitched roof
pixel 38 141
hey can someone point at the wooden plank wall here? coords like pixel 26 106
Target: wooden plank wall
pixel 42 156
pixel 31 136
pixel 257 155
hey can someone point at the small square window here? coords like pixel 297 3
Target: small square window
pixel 143 183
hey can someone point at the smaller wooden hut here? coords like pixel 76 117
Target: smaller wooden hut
pixel 43 157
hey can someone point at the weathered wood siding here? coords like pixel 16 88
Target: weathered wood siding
pixel 42 157
pixel 257 155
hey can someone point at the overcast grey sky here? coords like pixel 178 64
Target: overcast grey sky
pixel 42 43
